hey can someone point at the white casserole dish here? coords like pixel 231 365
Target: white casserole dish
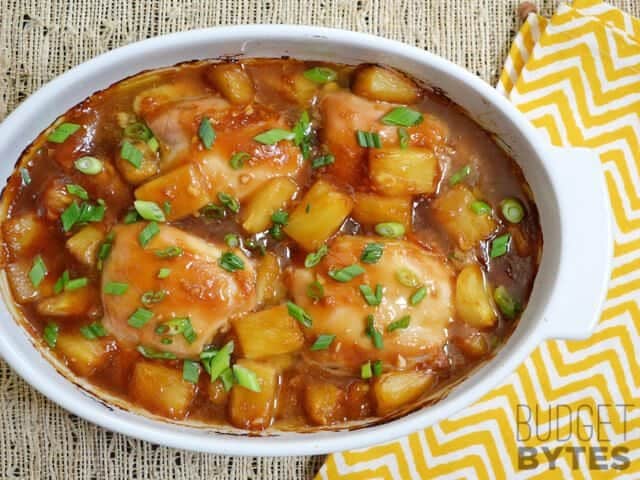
pixel 568 187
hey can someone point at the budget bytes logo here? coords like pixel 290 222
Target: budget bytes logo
pixel 560 424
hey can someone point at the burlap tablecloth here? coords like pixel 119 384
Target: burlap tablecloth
pixel 40 39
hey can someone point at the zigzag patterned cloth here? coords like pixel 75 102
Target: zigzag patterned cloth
pixel 576 77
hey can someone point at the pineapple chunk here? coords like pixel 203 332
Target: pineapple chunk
pixel 161 389
pixel 149 165
pixel 218 396
pixel 323 403
pixel 22 234
pixel 73 302
pixel 232 81
pixel 21 286
pixel 84 244
pixel 83 356
pixel 378 83
pixel 371 209
pixel 395 171
pixel 452 210
pixel 268 332
pixel 319 215
pixel 255 410
pixel 303 89
pixel 270 288
pixel 473 302
pixel 394 390
pixel 271 197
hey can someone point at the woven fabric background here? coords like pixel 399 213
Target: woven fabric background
pixel 41 39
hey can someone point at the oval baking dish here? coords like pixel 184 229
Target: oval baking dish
pixel 567 186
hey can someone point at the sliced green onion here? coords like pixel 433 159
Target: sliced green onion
pixel 211 210
pixel 151 297
pixel 373 299
pixel 115 288
pixel 320 75
pixel 315 290
pixel 322 342
pixel 322 161
pixel 390 229
pixel 177 326
pixel 401 323
pixel 418 296
pixel 140 317
pixel 153 354
pixel 166 341
pixel 131 154
pixel 79 214
pixel 407 277
pixel 149 210
pixel 105 249
pixel 62 132
pixel 374 333
pixel 512 210
pixel 153 144
pixel 368 139
pixel 93 331
pixel 506 303
pixel 280 217
pixel 61 282
pixel 347 273
pixel 314 258
pixel 232 240
pixel 231 262
pixel 169 252
pixel 500 245
pixel 402 117
pixel 237 160
pixel 147 233
pixel 76 284
pixel 88 165
pixel 50 334
pixel 166 207
pixel 206 133
pixel 138 131
pixel 299 314
pixel 219 362
pixel 273 136
pixel 276 232
pixel 365 371
pixel 230 202
pixel 253 244
pixel 246 378
pixel 164 272
pixel 25 177
pixel 131 217
pixel 38 271
pixel 372 253
pixel 376 367
pixel 404 138
pixel 191 371
pixel 460 175
pixel 480 208
pixel 78 191
pixel 303 137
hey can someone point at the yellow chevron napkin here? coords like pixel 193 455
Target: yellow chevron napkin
pixel 576 76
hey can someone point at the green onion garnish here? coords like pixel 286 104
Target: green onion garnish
pixel 105 249
pixel 315 290
pixel 38 271
pixel 237 160
pixel 115 288
pixel 322 342
pixel 246 378
pixel 50 334
pixel 368 139
pixel 93 331
pixel 149 210
pixel 404 138
pixel 314 258
pixel 206 133
pixel 147 233
pixel 418 296
pixel 151 353
pixel 78 191
pixel 140 317
pixel 407 277
pixel 399 324
pixel 76 284
pixel 280 217
pixel 25 177
pixel 320 75
pixel 230 202
pixel 512 210
pixel 164 272
pixel 303 134
pixel 191 371
pixel 220 361
pixel 480 208
pixel 131 154
pixel 166 207
pixel 153 144
pixel 231 262
pixel 276 232
pixel 374 333
pixel 169 252
pixel 273 136
pixel 322 161
pixel 299 314
pixel 138 131
pixel 376 367
pixel 460 175
pixel 390 229
pixel 227 379
pixel 372 253
pixel 79 214
pixel 151 297
pixel 500 245
pixel 506 303
pixel 402 117
pixel 373 299
pixel 62 132
pixel 88 165
pixel 211 210
pixel 232 240
pixel 365 371
pixel 177 326
pixel 61 283
pixel 131 217
pixel 347 273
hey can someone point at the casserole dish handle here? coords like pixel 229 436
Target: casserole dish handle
pixel 585 245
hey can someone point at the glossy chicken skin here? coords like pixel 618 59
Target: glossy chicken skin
pixel 197 287
pixel 343 310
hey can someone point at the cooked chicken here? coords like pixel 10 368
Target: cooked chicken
pixel 197 288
